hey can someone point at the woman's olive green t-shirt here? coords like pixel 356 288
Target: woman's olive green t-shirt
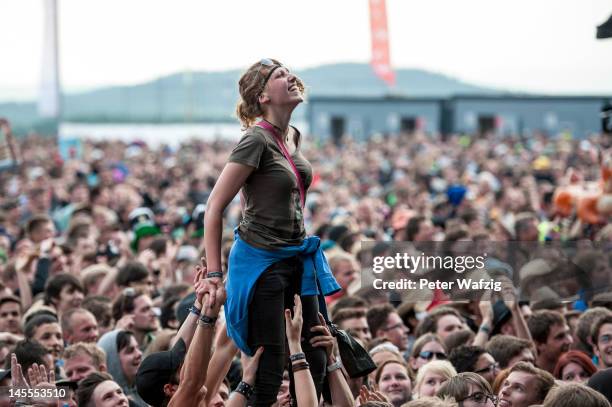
pixel 272 215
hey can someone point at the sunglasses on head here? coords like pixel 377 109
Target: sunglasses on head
pixel 430 355
pixel 267 62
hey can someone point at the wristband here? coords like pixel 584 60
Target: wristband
pixel 214 274
pixel 300 366
pixel 334 366
pixel 195 310
pixel 485 329
pixel 245 389
pixel 297 356
pixel 207 321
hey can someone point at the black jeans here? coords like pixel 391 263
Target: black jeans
pixel 273 294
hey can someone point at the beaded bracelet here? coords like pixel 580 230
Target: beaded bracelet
pixel 207 321
pixel 245 389
pixel 297 356
pixel 300 366
pixel 214 274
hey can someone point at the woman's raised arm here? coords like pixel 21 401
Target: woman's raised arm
pixel 230 181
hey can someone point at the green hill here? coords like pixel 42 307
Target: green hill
pixel 211 96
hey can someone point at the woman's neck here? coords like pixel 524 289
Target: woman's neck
pixel 279 119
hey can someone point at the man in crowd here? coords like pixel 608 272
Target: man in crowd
pixel 82 359
pixel 29 352
pixel 10 314
pixel 525 386
pixel 474 359
pixel 139 305
pixel 602 341
pixel 552 337
pixel 584 326
pixel 419 229
pixel 344 267
pixel 46 330
pixel 508 350
pixel 442 321
pixel 135 275
pixel 384 322
pixel 353 320
pixel 79 325
pixel 64 291
pixel 39 228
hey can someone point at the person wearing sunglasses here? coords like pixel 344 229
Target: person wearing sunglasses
pixel 271 258
pixel 469 389
pixel 426 348
pixel 475 359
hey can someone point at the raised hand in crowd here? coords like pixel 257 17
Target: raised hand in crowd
pixel 283 400
pixel 210 286
pixel 508 295
pixel 324 339
pixel 250 364
pixel 220 362
pixel 126 323
pixel 485 306
pixel 305 391
pixel 366 395
pixel 191 390
pixel 147 257
pixel 188 328
pixel 40 382
pixel 198 282
pixel 338 386
pixel 293 325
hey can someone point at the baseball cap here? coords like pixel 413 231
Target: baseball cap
pixel 156 370
pixel 144 229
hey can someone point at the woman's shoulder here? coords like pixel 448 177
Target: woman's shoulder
pixel 253 135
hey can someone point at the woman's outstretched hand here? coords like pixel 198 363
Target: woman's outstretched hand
pixel 366 395
pixel 208 285
pixel 210 308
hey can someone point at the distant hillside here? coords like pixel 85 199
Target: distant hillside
pixel 211 96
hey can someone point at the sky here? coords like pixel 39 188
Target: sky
pixel 543 46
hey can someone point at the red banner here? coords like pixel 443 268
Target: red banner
pixel 381 59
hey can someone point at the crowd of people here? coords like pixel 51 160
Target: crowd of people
pixel 103 294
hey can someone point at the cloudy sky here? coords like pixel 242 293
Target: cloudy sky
pixel 544 46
